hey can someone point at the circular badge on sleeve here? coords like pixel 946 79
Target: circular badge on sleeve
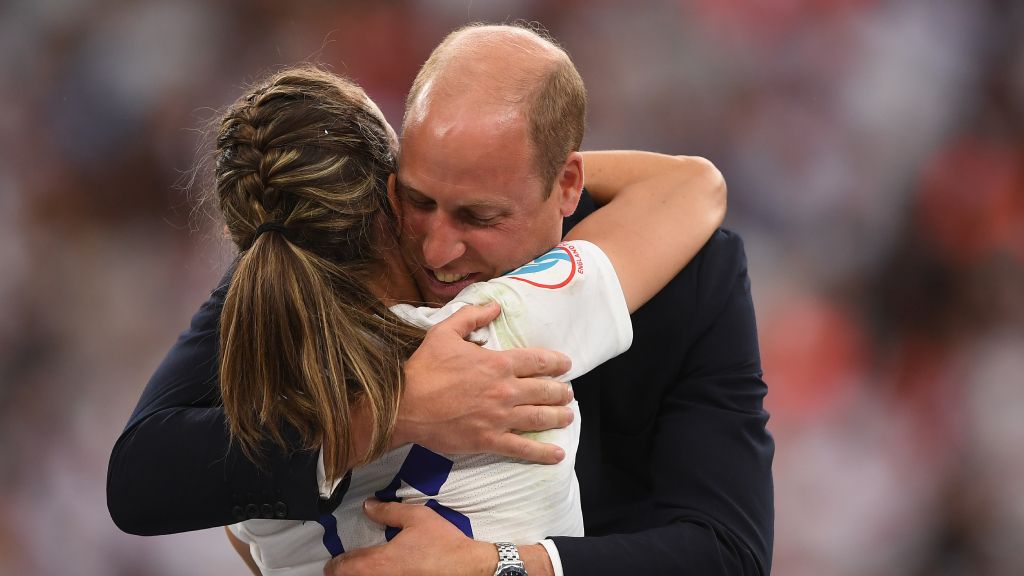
pixel 552 270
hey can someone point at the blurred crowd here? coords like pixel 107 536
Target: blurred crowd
pixel 874 152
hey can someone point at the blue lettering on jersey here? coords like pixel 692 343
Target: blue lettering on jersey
pixel 459 520
pixel 331 539
pixel 425 471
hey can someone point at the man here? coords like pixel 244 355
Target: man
pixel 674 460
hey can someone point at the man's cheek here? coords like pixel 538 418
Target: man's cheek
pixel 412 226
pixel 411 245
pixel 497 251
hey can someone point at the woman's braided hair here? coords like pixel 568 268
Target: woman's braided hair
pixel 302 163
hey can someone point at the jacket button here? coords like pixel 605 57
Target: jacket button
pixel 252 511
pixel 280 510
pixel 239 513
pixel 266 511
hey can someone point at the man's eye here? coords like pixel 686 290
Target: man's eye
pixel 482 221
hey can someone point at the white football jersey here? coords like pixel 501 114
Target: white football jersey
pixel 568 300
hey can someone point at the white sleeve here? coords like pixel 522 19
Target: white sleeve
pixel 568 300
pixel 556 560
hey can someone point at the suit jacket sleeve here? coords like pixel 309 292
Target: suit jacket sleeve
pixel 701 483
pixel 174 468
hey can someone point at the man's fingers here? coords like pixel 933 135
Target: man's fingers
pixel 533 362
pixel 393 514
pixel 516 446
pixel 540 418
pixel 470 318
pixel 352 562
pixel 541 392
pixel 334 567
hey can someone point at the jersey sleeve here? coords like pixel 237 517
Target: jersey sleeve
pixel 568 299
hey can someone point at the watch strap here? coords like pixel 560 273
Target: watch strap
pixel 509 562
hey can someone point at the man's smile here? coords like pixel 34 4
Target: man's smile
pixel 447 285
pixel 447 277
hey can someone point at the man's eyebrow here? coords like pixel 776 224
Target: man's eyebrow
pixel 406 187
pixel 499 209
pixel 502 208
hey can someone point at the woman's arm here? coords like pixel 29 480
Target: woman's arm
pixel 657 212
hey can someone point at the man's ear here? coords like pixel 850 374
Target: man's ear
pixel 569 184
pixel 396 206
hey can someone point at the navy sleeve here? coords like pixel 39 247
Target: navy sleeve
pixel 174 468
pixel 706 491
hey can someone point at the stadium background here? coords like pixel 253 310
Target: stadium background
pixel 875 157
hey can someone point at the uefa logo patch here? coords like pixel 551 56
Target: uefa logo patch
pixel 553 270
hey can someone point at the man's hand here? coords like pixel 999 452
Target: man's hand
pixel 427 545
pixel 462 399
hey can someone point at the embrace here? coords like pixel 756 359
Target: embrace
pixel 380 384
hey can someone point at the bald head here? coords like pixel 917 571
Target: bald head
pixel 499 74
pixel 491 66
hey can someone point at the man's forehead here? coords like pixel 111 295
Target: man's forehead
pixel 470 114
pixel 474 156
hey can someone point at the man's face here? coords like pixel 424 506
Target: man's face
pixel 472 204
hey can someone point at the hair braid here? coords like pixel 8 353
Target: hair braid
pixel 303 341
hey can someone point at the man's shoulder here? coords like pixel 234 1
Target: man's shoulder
pixel 719 263
pixel 723 249
pixel 702 289
pixel 716 266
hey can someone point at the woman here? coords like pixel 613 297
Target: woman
pixel 313 332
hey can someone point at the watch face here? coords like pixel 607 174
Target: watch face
pixel 512 571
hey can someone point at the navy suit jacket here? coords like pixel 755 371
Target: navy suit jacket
pixel 674 460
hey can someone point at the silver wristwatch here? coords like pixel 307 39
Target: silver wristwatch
pixel 509 563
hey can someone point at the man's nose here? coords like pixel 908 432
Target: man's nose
pixel 443 242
